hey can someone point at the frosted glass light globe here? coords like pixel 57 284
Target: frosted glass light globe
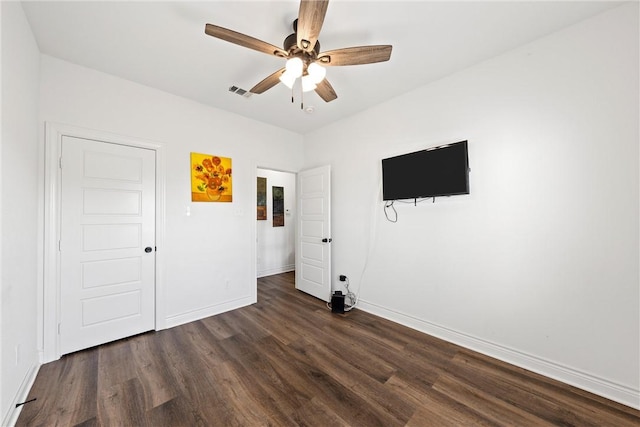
pixel 308 84
pixel 288 79
pixel 294 67
pixel 317 72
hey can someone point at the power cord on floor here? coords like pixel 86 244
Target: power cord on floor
pixel 351 299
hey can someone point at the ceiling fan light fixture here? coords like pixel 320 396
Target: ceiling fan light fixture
pixel 302 50
pixel 288 79
pixel 307 83
pixel 316 72
pixel 294 67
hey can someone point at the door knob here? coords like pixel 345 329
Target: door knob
pixel 148 249
pixel 325 240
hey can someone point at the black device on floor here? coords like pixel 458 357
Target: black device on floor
pixel 337 302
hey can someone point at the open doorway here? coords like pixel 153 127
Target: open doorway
pixel 275 234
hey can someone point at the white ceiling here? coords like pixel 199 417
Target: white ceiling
pixel 163 45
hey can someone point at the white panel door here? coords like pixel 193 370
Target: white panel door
pixel 313 252
pixel 107 242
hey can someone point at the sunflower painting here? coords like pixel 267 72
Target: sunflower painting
pixel 210 178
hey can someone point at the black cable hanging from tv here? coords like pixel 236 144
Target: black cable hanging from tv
pixel 389 204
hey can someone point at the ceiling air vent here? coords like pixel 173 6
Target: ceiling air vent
pixel 242 92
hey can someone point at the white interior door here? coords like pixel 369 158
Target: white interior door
pixel 313 251
pixel 107 242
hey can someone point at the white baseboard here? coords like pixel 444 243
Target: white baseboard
pixel 11 417
pixel 212 310
pixel 277 270
pixel 593 384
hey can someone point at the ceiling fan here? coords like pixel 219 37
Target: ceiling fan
pixel 302 52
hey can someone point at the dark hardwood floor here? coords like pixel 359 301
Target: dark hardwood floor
pixel 287 361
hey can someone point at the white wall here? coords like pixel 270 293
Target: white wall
pixel 19 209
pixel 539 264
pixel 276 246
pixel 209 255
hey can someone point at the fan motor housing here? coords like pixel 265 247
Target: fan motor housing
pixel 291 42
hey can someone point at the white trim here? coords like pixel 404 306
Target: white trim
pixel 211 310
pixel 585 381
pixel 50 290
pixel 276 270
pixel 11 417
pixel 254 240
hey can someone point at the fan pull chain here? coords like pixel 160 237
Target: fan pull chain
pixel 301 97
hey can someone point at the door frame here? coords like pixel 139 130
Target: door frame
pixel 49 292
pixel 255 222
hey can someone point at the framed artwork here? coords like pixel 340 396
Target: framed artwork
pixel 277 194
pixel 261 202
pixel 211 178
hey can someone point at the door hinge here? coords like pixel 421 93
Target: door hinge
pixel 59 326
pixel 59 246
pixel 60 162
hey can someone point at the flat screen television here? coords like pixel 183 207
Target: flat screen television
pixel 439 171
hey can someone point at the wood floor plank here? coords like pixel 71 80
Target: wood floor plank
pixel 490 406
pixel 344 403
pixel 281 327
pixel 267 387
pixel 219 327
pixel 366 333
pixel 191 374
pixel 352 353
pixel 238 393
pixel 66 392
pixel 289 361
pixel 549 399
pixel 197 340
pixel 429 415
pixel 176 412
pixel 421 369
pixel 387 407
pixel 329 390
pixel 114 364
pixel 433 407
pixel 151 372
pixel 315 413
pixel 122 404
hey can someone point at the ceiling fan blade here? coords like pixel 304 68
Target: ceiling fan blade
pixel 310 19
pixel 355 55
pixel 268 82
pixel 244 40
pixel 325 90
